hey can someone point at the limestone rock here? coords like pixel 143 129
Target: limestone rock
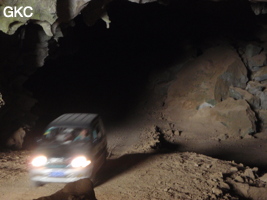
pixel 224 186
pixel 247 191
pixel 235 75
pixel 254 87
pixel 253 56
pixel 2 102
pixel 263 178
pixel 234 117
pixel 233 169
pixel 263 118
pixel 263 99
pixel 252 50
pixel 50 14
pixel 261 74
pixel 96 9
pixel 238 93
pixel 259 8
pixel 229 110
pixel 42 11
pixel 239 179
pixel 257 61
pixel 16 140
pixel 205 105
pixel 217 191
pixel 249 173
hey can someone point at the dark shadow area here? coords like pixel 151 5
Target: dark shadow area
pixel 114 167
pixel 250 152
pixel 106 70
pixel 117 166
pixel 239 156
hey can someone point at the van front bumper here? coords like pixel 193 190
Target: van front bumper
pixel 59 175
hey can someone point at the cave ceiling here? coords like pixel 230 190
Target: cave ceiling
pixel 51 13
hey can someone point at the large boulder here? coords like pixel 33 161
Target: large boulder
pixel 238 93
pixel 235 75
pixel 236 115
pixel 231 117
pixel 254 56
pixel 263 118
pixel 254 87
pixel 261 74
pixel 194 84
pixel 79 190
pixel 257 61
pixel 259 7
pixel 247 191
pixel 200 93
pixel 252 50
pixel 17 139
pixel 263 98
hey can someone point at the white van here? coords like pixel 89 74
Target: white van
pixel 73 147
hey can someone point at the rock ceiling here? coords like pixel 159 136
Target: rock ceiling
pixel 49 14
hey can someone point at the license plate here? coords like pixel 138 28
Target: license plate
pixel 57 174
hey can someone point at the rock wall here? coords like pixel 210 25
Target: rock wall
pixel 22 53
pixel 221 92
pixel 24 50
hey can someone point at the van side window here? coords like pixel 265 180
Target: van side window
pixel 95 134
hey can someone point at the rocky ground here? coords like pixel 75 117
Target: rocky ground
pixel 144 165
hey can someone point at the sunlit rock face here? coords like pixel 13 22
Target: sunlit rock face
pixel 222 91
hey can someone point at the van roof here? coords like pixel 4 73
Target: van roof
pixel 74 120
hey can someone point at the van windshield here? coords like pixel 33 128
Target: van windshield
pixel 66 134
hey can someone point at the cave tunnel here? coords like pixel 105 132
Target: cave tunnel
pixel 180 86
pixel 106 70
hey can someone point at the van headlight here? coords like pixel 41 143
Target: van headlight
pixel 80 161
pixel 39 161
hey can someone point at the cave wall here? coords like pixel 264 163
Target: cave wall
pixel 24 47
pixel 21 53
pixel 26 43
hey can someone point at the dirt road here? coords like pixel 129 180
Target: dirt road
pixel 140 167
